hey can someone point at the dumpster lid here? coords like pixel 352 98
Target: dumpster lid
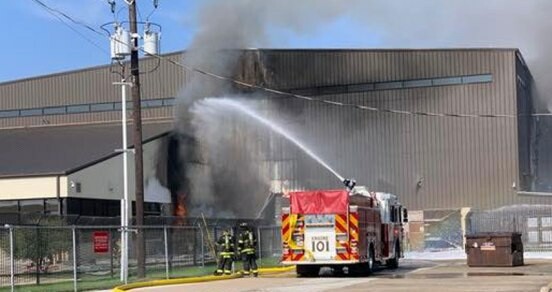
pixel 492 234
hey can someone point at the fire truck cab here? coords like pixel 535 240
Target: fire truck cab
pixel 347 230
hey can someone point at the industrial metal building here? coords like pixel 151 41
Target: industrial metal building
pixel 59 132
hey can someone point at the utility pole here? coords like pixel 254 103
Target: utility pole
pixel 137 139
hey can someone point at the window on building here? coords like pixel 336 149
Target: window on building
pixel 9 114
pixel 477 79
pixel 168 102
pixel 417 83
pixel 55 110
pixel 31 112
pixel 51 206
pixel 152 103
pixel 305 91
pixel 388 85
pixel 546 222
pixel 128 105
pixel 361 87
pixel 546 236
pixel 332 89
pixel 93 207
pixel 532 222
pixel 101 107
pixel 152 209
pixel 533 236
pixel 398 84
pixel 11 206
pixel 83 108
pixel 31 206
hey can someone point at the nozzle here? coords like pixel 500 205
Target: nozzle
pixel 349 183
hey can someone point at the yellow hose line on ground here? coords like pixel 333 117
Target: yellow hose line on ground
pixel 189 280
pixel 175 281
pixel 276 270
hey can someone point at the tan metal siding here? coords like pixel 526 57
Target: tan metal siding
pixel 464 162
pixel 90 86
pixel 164 113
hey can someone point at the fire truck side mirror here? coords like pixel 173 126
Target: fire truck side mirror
pixel 405 215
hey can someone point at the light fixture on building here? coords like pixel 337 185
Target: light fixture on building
pixel 420 183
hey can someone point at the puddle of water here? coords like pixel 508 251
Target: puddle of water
pixel 494 274
pixel 329 273
pixel 446 275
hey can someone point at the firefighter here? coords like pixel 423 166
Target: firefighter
pixel 246 247
pixel 225 248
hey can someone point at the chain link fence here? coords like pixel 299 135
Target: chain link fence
pixel 270 244
pixel 71 258
pixel 48 254
pixel 444 230
pixel 534 222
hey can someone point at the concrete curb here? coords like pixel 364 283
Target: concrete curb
pixel 174 282
pixel 201 279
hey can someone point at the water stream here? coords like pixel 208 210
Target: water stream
pixel 227 103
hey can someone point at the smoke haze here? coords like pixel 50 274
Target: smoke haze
pixel 526 25
pixel 381 24
pixel 225 26
pixel 228 139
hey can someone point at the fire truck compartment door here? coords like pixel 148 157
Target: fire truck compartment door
pixel 320 241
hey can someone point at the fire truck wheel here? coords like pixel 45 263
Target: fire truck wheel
pixel 394 262
pixel 371 260
pixel 308 270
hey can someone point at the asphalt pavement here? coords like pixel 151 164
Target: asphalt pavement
pixel 413 275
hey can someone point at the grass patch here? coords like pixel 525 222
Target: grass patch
pixel 90 282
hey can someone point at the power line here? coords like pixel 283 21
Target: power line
pixel 54 12
pixel 341 104
pixel 66 16
pixel 335 103
pixel 298 96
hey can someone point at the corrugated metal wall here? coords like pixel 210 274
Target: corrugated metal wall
pixel 93 85
pixel 430 162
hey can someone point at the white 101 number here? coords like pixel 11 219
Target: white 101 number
pixel 321 246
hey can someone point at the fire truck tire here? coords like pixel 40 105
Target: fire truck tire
pixel 308 270
pixel 371 260
pixel 394 262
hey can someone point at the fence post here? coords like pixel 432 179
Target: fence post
pixel 12 261
pixel 202 247
pixel 38 260
pixel 111 252
pixel 194 257
pixel 260 245
pixel 165 236
pixel 74 258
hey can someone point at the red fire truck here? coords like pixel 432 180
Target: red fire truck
pixel 348 230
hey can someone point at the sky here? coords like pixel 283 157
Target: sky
pixel 36 43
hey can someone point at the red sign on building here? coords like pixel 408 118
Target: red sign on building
pixel 101 241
